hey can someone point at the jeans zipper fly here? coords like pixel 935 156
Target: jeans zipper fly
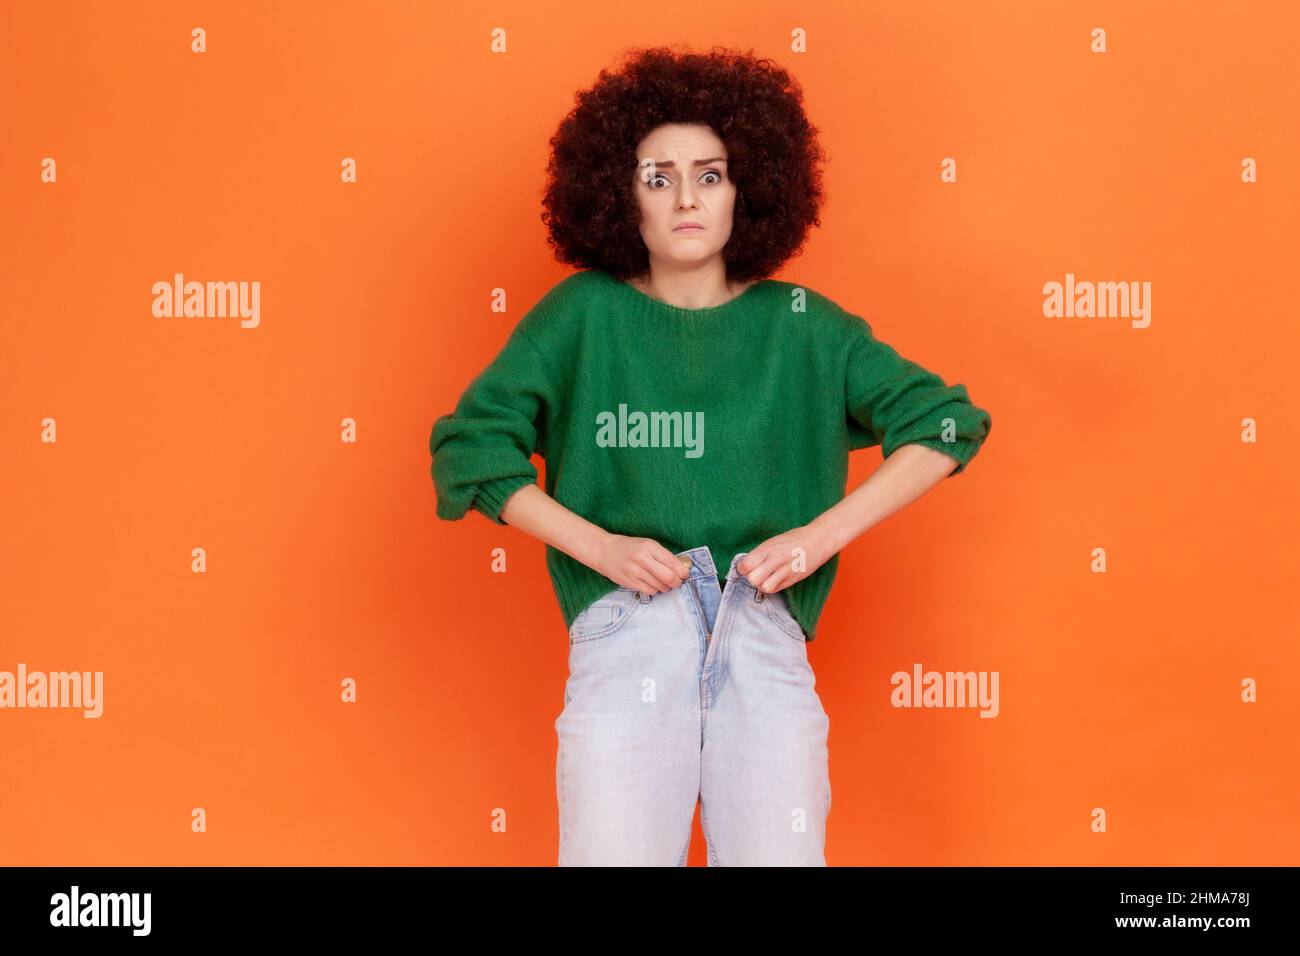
pixel 699 603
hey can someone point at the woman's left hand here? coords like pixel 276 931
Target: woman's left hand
pixel 791 556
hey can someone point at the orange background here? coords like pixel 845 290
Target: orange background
pixel 325 560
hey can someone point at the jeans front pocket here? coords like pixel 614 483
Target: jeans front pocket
pixel 605 615
pixel 779 612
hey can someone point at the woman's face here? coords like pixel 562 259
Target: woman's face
pixel 681 178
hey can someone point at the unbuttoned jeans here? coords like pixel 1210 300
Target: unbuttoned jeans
pixel 696 693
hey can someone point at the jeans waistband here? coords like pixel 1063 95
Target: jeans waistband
pixel 702 565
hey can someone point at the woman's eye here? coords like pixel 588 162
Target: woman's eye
pixel 660 180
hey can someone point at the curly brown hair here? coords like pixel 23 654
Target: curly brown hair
pixel 753 105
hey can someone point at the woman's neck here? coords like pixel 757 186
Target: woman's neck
pixel 689 290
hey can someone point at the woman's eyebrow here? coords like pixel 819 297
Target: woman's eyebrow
pixel 698 162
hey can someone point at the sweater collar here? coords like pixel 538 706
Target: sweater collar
pixel 651 312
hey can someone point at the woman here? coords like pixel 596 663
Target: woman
pixel 695 417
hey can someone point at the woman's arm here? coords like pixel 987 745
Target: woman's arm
pixel 904 476
pixel 639 563
pixel 481 459
pixel 927 431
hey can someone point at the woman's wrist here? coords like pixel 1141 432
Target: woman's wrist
pixel 590 543
pixel 829 533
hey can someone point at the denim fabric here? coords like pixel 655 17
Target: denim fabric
pixel 696 694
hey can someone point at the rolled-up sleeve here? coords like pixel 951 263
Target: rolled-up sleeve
pixel 481 451
pixel 901 403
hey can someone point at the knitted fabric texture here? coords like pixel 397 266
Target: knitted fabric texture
pixel 721 426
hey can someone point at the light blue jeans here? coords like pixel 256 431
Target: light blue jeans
pixel 694 694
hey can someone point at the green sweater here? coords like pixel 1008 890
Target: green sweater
pixel 721 426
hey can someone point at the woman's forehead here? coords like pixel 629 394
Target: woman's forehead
pixel 687 139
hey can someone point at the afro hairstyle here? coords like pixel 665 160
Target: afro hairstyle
pixel 753 105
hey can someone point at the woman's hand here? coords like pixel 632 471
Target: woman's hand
pixel 791 556
pixel 642 564
pixel 639 563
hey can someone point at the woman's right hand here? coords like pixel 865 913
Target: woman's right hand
pixel 642 564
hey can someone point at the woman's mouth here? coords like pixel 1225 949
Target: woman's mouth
pixel 689 227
